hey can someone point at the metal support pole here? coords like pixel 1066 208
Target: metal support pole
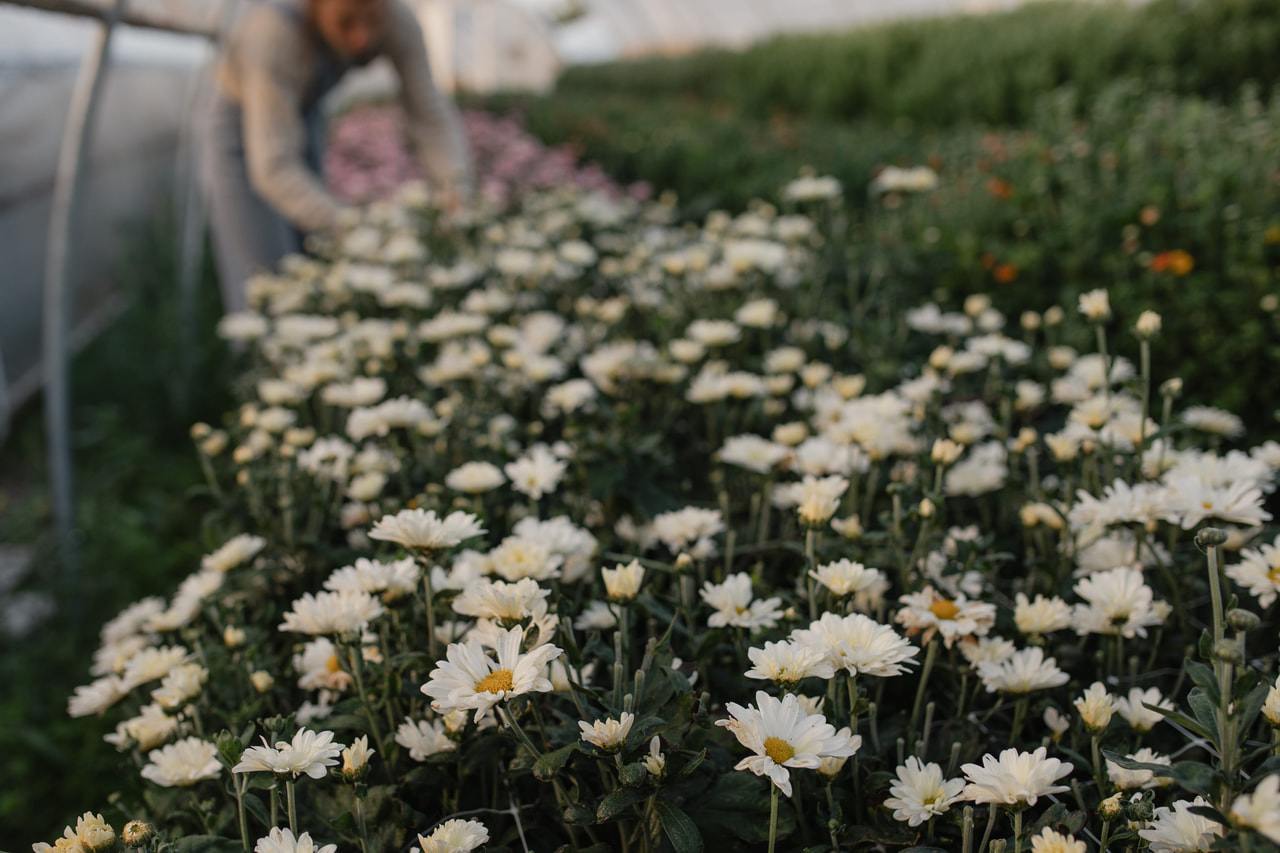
pixel 58 302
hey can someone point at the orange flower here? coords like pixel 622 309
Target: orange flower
pixel 1000 188
pixel 1005 273
pixel 1174 261
pixel 1160 262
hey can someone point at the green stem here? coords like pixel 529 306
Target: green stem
pixel 242 781
pixel 360 824
pixel 293 806
pixel 991 822
pixel 1017 830
pixel 773 818
pixel 811 563
pixel 930 655
pixel 355 653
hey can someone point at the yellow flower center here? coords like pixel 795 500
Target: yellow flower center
pixel 779 750
pixel 944 609
pixel 495 682
pixel 332 664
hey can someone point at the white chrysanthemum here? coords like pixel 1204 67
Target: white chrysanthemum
pixel 596 616
pixel 1095 305
pixel 1049 841
pixel 1025 671
pixel 1127 780
pixel 1042 616
pixel 1259 572
pixel 732 601
pixel 987 649
pixel 622 583
pixel 518 558
pixel 782 736
pixel 233 553
pixel 148 730
pixel 151 664
pixel 753 452
pixel 319 667
pixel 97 697
pixel 1260 810
pixel 607 734
pixel 283 841
pixel 424 738
pixel 1117 602
pixel 391 580
pixel 455 836
pixel 919 792
pixel 183 763
pixel 1193 501
pixel 858 644
pixel 562 537
pixel 568 397
pixel 309 752
pixel 846 577
pixel 360 391
pixel 1213 421
pixel 1132 707
pixel 823 490
pixel 654 761
pixel 929 611
pixel 682 528
pixel 1096 707
pixel 501 600
pixel 1179 830
pixel 537 473
pixel 983 471
pixel 475 478
pixel 332 613
pixel 416 528
pixel 1014 778
pixel 470 680
pixel 183 683
pixel 786 663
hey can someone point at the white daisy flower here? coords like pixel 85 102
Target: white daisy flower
pixel 1025 671
pixel 1127 780
pixel 1132 707
pixel 501 600
pixel 1014 778
pixel 537 473
pixel 148 730
pixel 454 836
pixel 1049 841
pixel 1260 810
pixel 752 452
pixel 1178 830
pixel 234 552
pixel 623 582
pixel 931 612
pixel 183 683
pixel 475 478
pixel 309 752
pixel 1117 602
pixel 734 605
pixel 1213 421
pixel 469 679
pixel 858 644
pixel 97 696
pixel 607 734
pixel 846 577
pixel 424 530
pixel 424 738
pixel 787 663
pixel 919 792
pixel 1259 572
pixel 332 613
pixel 1096 707
pixel 182 763
pixel 1042 616
pixel 783 736
pixel 283 841
pixel 391 580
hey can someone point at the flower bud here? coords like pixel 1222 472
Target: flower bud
pixel 1030 320
pixel 1243 620
pixel 233 637
pixel 1171 388
pixel 262 680
pixel 355 759
pixel 137 833
pixel 1054 315
pixel 1148 325
pixel 926 508
pixel 1112 807
pixel 1228 651
pixel 199 431
pixel 1211 537
pixel 214 443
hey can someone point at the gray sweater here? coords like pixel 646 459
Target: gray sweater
pixel 270 65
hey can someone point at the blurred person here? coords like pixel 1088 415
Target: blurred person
pixel 264 129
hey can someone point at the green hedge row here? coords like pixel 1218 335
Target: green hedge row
pixel 1088 193
pixel 988 68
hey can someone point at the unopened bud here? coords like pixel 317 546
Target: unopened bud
pixel 926 508
pixel 1148 325
pixel 1243 620
pixel 1211 537
pixel 1112 807
pixel 1228 651
pixel 262 680
pixel 137 833
pixel 200 431
pixel 1171 388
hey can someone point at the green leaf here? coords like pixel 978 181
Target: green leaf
pixel 619 801
pixel 1206 712
pixel 1179 718
pixel 1194 776
pixel 551 762
pixel 577 814
pixel 1251 706
pixel 1205 678
pixel 254 806
pixel 207 844
pixel 681 832
pixel 693 763
pixel 344 822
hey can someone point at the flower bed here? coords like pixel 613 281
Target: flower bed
pixel 571 528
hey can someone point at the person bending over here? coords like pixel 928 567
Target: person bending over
pixel 264 129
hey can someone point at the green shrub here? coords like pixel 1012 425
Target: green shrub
pixel 988 68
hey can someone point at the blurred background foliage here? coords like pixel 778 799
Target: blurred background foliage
pixel 136 391
pixel 1078 146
